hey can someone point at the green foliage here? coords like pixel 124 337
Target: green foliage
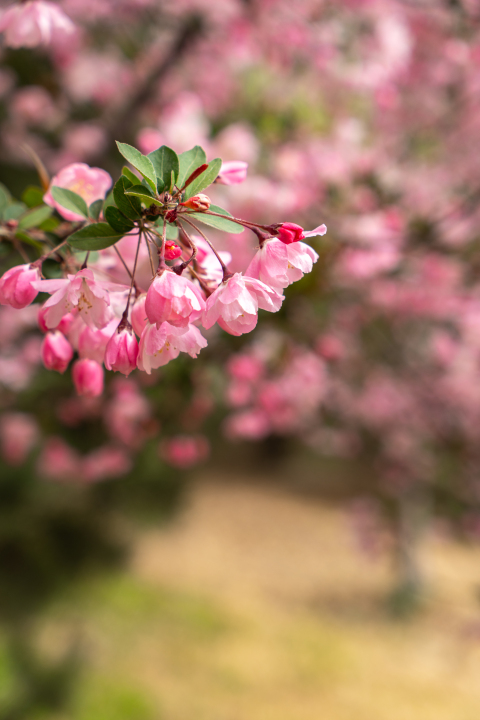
pixel 70 200
pixel 94 237
pixel 33 196
pixel 140 162
pixel 144 194
pixel 13 211
pixel 189 161
pixel 205 179
pixel 35 217
pixel 165 161
pixel 218 222
pixel 130 206
pixel 117 221
pixel 130 175
pixel 95 209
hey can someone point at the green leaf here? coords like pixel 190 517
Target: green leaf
pixel 35 217
pixel 144 194
pixel 94 237
pixel 130 206
pixel 165 161
pixel 140 162
pixel 189 161
pixel 130 175
pixel 117 221
pixel 4 197
pixel 50 224
pixel 217 222
pixel 14 211
pixel 29 241
pixel 70 200
pixel 95 209
pixel 205 179
pixel 33 196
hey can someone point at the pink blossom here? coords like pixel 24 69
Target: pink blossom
pixel 248 425
pixel 139 315
pixel 232 172
pixel 184 451
pixel 245 367
pixel 81 291
pixel 106 462
pixel 122 351
pixel 64 325
pixel 92 342
pixel 16 288
pixel 90 183
pixel 278 265
pixel 58 461
pixel 18 434
pixel 235 303
pixel 161 343
pixel 173 299
pixel 56 351
pixel 88 377
pixel 32 23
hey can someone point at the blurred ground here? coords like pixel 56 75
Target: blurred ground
pixel 254 605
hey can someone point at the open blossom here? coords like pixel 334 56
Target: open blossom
pixel 235 303
pixel 160 344
pixel 122 351
pixel 232 172
pixel 173 299
pixel 90 183
pixel 56 351
pixel 33 23
pixel 88 377
pixel 278 265
pixel 16 287
pixel 81 291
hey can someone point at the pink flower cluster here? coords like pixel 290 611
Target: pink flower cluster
pixel 144 322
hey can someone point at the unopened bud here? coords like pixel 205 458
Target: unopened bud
pixel 198 202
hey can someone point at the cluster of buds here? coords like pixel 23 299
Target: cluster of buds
pixel 176 281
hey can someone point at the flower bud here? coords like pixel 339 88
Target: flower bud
pixel 122 351
pixel 289 233
pixel 88 377
pixel 198 202
pixel 172 250
pixel 16 286
pixel 56 351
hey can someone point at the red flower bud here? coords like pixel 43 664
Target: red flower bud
pixel 199 202
pixel 289 233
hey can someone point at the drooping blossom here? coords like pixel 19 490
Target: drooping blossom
pixel 56 351
pixel 122 351
pixel 37 22
pixel 92 342
pixel 88 377
pixel 278 265
pixel 90 183
pixel 232 172
pixel 81 291
pixel 235 303
pixel 16 288
pixel 161 343
pixel 173 299
pixel 138 315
